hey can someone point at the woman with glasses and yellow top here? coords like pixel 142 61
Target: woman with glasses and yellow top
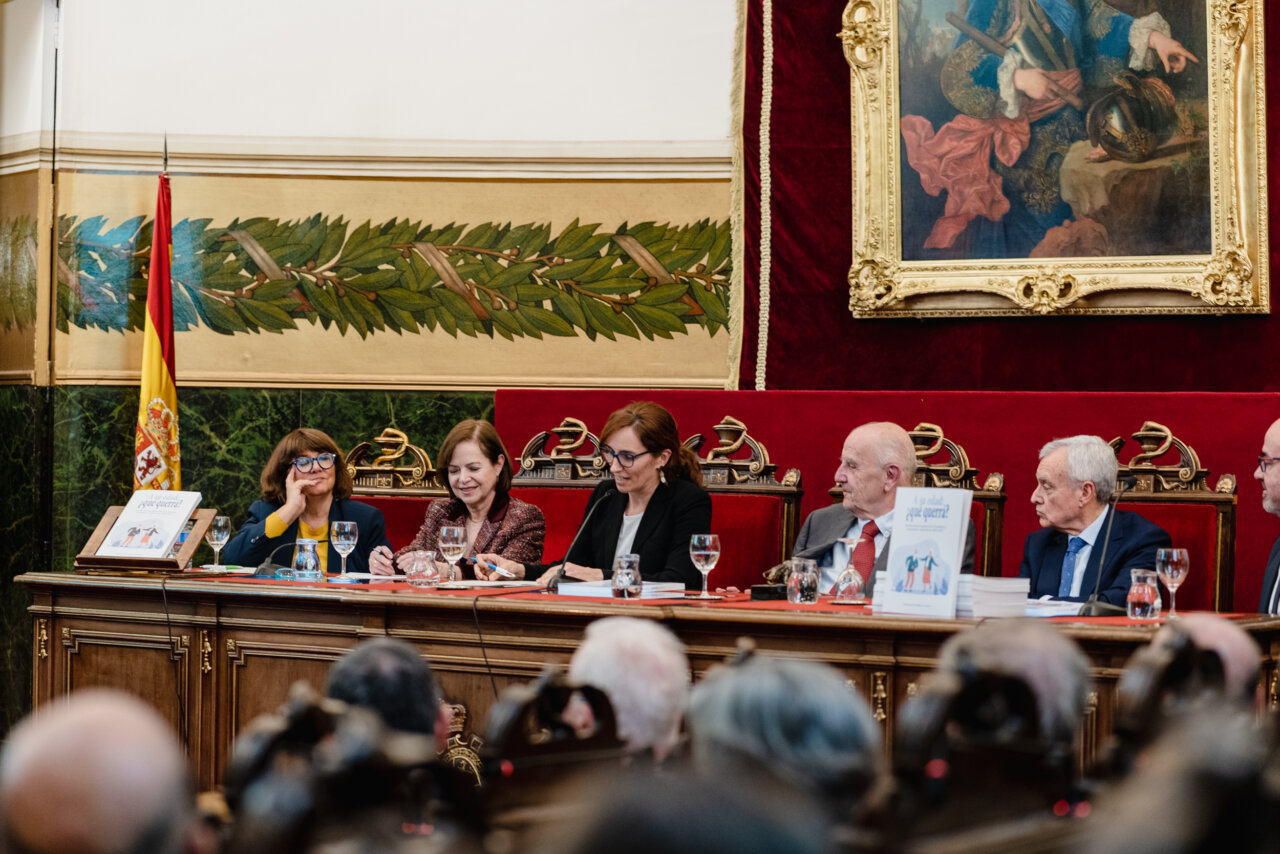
pixel 305 489
pixel 653 505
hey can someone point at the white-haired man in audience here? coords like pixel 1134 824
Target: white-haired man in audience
pixel 877 458
pixel 641 667
pixel 99 772
pixel 1074 481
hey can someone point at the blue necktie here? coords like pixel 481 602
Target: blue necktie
pixel 1074 545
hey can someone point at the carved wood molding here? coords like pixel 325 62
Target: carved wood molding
pixel 1185 474
pixel 556 457
pixel 725 468
pixel 399 467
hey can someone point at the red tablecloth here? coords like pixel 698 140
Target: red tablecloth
pixel 733 601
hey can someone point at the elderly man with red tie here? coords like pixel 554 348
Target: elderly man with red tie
pixel 877 458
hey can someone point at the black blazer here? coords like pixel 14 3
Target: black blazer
pixel 251 545
pixel 676 511
pixel 1269 577
pixel 1134 541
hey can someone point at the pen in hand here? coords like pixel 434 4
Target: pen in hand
pixel 494 568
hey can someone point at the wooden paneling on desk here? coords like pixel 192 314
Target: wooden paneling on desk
pixel 212 654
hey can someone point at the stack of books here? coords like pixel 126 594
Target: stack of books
pixel 978 597
pixel 604 589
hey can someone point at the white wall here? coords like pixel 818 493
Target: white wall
pixel 521 70
pixel 22 37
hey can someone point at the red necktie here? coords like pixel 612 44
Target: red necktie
pixel 863 556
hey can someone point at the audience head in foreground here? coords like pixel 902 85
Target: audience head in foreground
pixel 641 667
pixel 99 772
pixel 1075 479
pixel 786 724
pixel 388 676
pixel 1035 653
pixel 684 815
pixel 1240 655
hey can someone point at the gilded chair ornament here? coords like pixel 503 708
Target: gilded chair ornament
pixel 398 468
pixel 573 455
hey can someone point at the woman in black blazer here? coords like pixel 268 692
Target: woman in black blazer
pixel 653 505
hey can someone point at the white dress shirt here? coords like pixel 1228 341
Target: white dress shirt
pixel 838 558
pixel 1090 536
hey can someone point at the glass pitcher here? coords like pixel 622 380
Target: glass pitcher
pixel 1143 601
pixel 306 561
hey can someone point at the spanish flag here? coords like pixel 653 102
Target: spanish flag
pixel 156 461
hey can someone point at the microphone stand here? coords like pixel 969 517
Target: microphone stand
pixel 1092 607
pixel 554 584
pixel 267 567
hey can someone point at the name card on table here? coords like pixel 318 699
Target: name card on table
pixel 926 551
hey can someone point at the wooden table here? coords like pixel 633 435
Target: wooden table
pixel 211 654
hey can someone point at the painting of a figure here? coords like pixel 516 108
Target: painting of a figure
pixel 1053 129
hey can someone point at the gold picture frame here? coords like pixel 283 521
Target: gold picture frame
pixel 1226 272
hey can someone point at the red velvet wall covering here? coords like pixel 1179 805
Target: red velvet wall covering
pixel 1000 431
pixel 814 342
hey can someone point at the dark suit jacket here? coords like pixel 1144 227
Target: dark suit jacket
pixel 676 511
pixel 1269 577
pixel 1133 545
pixel 251 545
pixel 823 527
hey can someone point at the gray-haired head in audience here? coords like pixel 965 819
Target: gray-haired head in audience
pixel 97 772
pixel 788 721
pixel 1042 657
pixel 642 668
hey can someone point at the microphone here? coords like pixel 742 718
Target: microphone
pixel 554 584
pixel 1092 607
pixel 269 568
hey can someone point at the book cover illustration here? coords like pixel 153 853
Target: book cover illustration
pixel 929 526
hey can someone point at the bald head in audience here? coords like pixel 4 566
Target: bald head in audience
pixel 99 772
pixel 1039 655
pixel 1240 654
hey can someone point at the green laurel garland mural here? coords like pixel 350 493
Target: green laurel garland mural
pixel 17 273
pixel 265 275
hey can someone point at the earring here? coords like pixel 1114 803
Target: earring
pixel 662 475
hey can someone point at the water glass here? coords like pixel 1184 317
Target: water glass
pixel 421 570
pixel 1172 566
pixel 704 551
pixel 343 536
pixel 453 543
pixel 306 561
pixel 850 586
pixel 802 581
pixel 218 533
pixel 1143 601
pixel 626 581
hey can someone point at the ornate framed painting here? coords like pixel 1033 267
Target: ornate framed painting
pixel 1015 157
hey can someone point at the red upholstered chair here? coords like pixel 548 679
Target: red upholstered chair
pixel 940 462
pixel 396 477
pixel 1175 495
pixel 755 513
